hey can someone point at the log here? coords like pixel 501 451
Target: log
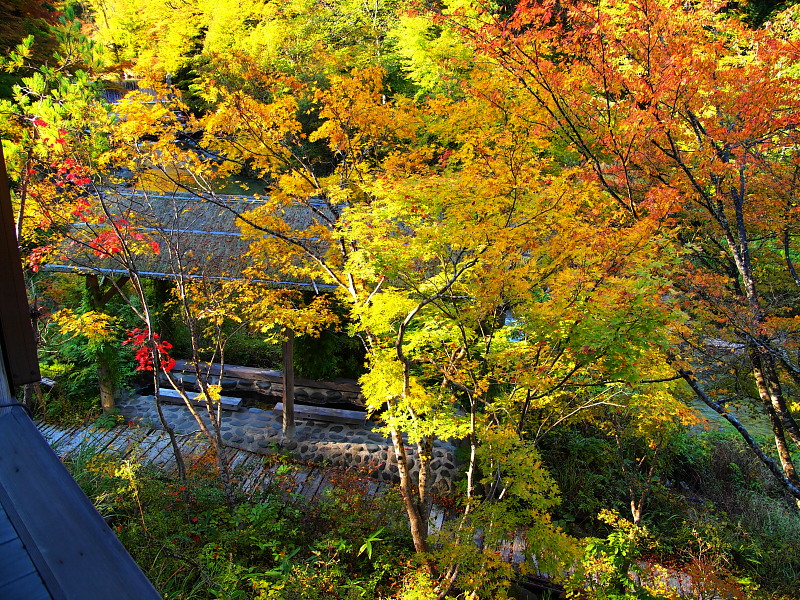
pixel 288 384
pixel 272 376
pixel 172 397
pixel 322 413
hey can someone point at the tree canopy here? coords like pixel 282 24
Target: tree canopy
pixel 534 214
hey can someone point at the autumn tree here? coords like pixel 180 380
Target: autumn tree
pixel 499 291
pixel 436 221
pixel 671 105
pixel 44 129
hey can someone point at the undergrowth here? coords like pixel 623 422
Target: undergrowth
pixel 347 543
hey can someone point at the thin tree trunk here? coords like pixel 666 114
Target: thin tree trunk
pixel 214 411
pixel 419 526
pixel 790 485
pixel 23 195
pixel 771 394
pixel 173 441
pixel 214 417
pixel 424 451
pixel 105 380
pixel 98 298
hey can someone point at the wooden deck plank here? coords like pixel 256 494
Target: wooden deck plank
pixel 373 486
pixel 276 474
pixel 323 413
pixel 300 476
pixel 255 477
pixel 140 452
pixel 242 462
pixel 198 455
pixel 242 465
pixel 165 460
pixel 81 440
pixel 304 477
pixel 312 484
pixel 72 439
pixel 46 429
pixel 134 444
pixel 237 457
pixel 128 441
pixel 256 484
pixel 101 438
pixel 156 449
pixel 122 440
pixel 49 432
pixel 58 436
pixel 189 445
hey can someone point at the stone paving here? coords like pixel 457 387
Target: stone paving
pixel 357 446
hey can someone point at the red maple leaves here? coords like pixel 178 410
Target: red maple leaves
pixel 146 345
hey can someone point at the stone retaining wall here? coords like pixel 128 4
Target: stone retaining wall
pixel 351 446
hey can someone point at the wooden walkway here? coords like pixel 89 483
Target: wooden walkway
pixel 252 472
pixel 255 472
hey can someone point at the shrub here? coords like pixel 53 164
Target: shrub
pixel 279 545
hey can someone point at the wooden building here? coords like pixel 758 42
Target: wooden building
pixel 54 545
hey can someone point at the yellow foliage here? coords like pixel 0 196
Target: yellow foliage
pixel 95 326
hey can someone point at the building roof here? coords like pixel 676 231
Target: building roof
pixel 53 543
pixel 195 239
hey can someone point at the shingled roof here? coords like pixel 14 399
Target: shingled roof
pixel 196 238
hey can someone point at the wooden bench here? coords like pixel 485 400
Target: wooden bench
pixel 172 397
pixel 322 413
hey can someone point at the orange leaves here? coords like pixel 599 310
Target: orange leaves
pixel 639 88
pixel 359 117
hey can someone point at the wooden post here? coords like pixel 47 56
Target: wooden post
pixel 288 385
pixel 15 323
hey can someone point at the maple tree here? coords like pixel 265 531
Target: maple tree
pixel 668 105
pixel 429 242
pixel 581 203
pixel 433 219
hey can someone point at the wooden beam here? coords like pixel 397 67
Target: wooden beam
pixel 16 332
pixel 114 289
pixel 172 397
pixel 288 385
pixel 322 413
pixel 272 376
pixel 100 297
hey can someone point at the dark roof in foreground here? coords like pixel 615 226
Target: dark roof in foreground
pixel 53 543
